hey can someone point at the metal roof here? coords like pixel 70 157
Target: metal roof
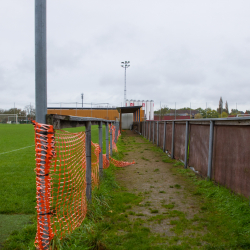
pixel 130 109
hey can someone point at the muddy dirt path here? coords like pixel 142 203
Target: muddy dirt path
pixel 167 201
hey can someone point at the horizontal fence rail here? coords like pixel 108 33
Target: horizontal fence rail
pixel 214 148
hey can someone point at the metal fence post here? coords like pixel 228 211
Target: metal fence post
pixel 164 137
pixel 186 144
pixel 157 133
pixel 107 141
pixel 100 154
pixel 153 132
pixel 115 132
pixel 210 152
pixel 149 135
pixel 172 148
pixel 142 129
pixel 41 60
pixel 88 160
pixel 111 140
pixel 41 100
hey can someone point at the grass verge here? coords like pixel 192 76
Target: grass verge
pixel 223 215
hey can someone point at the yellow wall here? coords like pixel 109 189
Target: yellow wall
pixel 109 114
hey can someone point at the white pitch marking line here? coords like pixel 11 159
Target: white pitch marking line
pixel 16 150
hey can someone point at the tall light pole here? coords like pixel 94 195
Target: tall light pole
pixel 82 99
pixel 125 65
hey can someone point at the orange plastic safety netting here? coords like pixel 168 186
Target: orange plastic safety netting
pixel 45 151
pixel 95 150
pixel 61 180
pixel 68 170
pixel 112 128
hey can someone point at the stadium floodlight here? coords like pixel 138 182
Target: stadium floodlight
pixel 125 65
pixel 82 99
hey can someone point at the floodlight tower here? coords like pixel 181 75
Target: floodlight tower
pixel 82 99
pixel 125 65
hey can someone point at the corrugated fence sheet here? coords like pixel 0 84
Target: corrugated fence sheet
pixel 179 141
pixel 161 134
pixel 151 131
pixel 169 137
pixel 198 148
pixel 147 130
pixel 231 158
pixel 155 133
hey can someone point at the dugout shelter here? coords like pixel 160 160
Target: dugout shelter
pixel 129 115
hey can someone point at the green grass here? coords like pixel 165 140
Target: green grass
pixel 107 225
pixel 15 136
pixel 17 186
pixel 223 221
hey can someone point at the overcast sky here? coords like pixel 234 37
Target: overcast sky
pixel 183 51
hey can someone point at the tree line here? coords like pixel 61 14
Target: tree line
pixel 220 112
pixel 28 113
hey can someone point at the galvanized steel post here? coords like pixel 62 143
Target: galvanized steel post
pixel 153 132
pixel 40 61
pixel 186 144
pixel 164 137
pixel 107 141
pixel 88 160
pixel 149 135
pixel 100 153
pixel 41 101
pixel 210 152
pixel 116 132
pixel 111 140
pixel 142 129
pixel 157 134
pixel 172 148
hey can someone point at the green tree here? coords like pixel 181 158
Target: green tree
pixel 235 112
pixel 202 112
pixel 220 109
pixel 198 116
pixel 226 108
pixel 224 114
pixel 212 113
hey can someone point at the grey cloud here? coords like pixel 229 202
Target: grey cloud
pixel 64 57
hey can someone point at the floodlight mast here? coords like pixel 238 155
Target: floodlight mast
pixel 41 108
pixel 82 99
pixel 125 65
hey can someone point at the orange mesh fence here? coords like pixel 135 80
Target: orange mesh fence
pixel 95 150
pixel 114 147
pixel 105 161
pixel 68 171
pixel 61 180
pixel 44 140
pixel 120 163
